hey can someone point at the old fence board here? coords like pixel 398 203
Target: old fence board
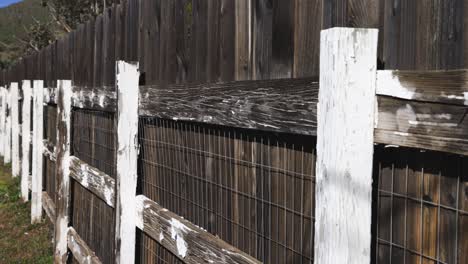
pixel 287 105
pixel 94 180
pixel 184 239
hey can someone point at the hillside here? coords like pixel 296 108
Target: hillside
pixel 13 20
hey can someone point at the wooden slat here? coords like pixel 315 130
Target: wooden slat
pixel 184 239
pixel 449 87
pixel 99 98
pixel 287 105
pixel 433 126
pixel 49 206
pixel 81 252
pixel 93 179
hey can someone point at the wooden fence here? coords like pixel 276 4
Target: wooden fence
pixel 422 110
pixel 202 153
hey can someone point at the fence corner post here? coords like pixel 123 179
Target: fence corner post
pixel 26 137
pixel 36 179
pixel 15 158
pixel 127 154
pixel 64 96
pixel 345 145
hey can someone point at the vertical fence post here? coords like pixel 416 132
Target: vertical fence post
pixel 7 145
pixel 26 139
pixel 2 121
pixel 127 154
pixel 36 186
pixel 345 145
pixel 15 158
pixel 63 169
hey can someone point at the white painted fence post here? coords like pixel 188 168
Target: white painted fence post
pixel 7 145
pixel 63 169
pixel 26 139
pixel 38 148
pixel 345 145
pixel 127 154
pixel 2 121
pixel 15 130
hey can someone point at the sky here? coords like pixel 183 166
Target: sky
pixel 4 3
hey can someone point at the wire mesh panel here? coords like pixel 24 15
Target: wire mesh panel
pixel 93 141
pixel 94 221
pixel 50 123
pixel 254 190
pixel 151 251
pixel 49 172
pixel 50 133
pixel 422 206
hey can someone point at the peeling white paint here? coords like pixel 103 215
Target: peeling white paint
pixel 15 130
pixel 64 113
pixel 38 146
pixel 26 139
pixel 389 84
pixel 161 237
pixel 127 155
pixel 348 60
pixel 177 233
pixel 427 123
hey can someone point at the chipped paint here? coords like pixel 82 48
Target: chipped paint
pixel 26 139
pixel 388 83
pixel 177 233
pixel 127 155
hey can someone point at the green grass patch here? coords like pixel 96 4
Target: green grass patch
pixel 20 241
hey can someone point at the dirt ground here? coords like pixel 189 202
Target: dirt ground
pixel 20 242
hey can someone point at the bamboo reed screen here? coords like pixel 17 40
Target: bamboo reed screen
pixel 254 190
pixel 93 141
pixel 50 133
pixel 422 207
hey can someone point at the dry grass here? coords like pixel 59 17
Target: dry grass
pixel 20 242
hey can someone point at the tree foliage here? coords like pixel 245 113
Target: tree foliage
pixel 70 13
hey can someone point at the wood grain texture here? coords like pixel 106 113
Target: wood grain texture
pixel 127 157
pixel 62 169
pixel 447 87
pixel 433 126
pixel 184 239
pixel 243 40
pixel 94 180
pixel 49 206
pixel 287 105
pixel 98 98
pixel 80 250
pixel 348 68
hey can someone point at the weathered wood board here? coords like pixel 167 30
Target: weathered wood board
pixel 94 180
pixel 184 239
pixel 287 105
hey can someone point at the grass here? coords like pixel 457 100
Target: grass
pixel 20 241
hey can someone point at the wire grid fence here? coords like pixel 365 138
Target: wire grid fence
pixel 50 133
pixel 151 251
pixel 254 190
pixel 93 141
pixel 422 206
